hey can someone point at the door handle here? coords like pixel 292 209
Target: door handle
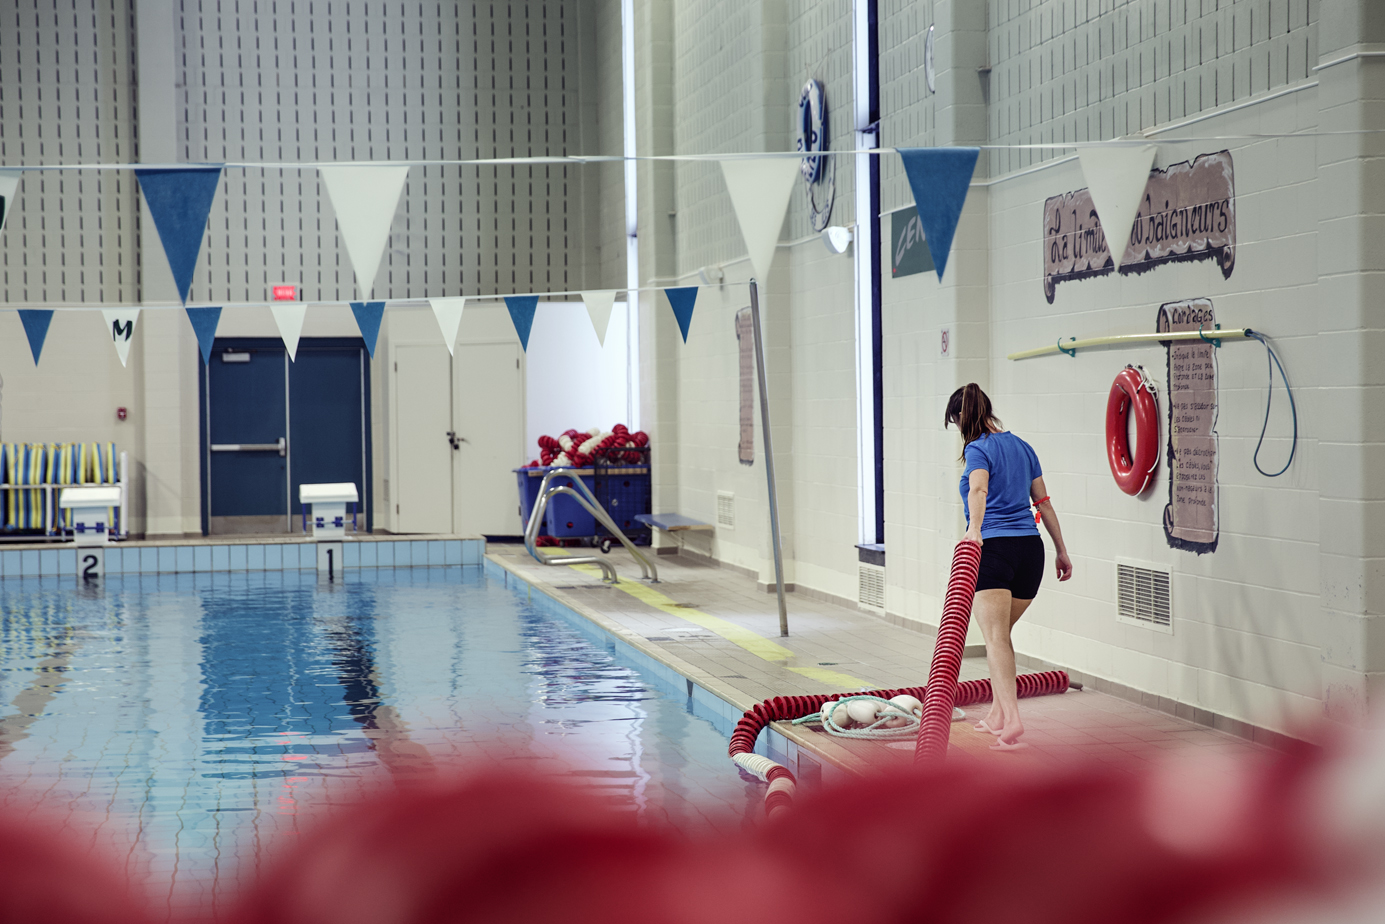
pixel 280 447
pixel 456 440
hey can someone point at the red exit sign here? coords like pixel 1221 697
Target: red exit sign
pixel 285 293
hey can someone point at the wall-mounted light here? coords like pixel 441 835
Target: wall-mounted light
pixel 836 238
pixel 711 275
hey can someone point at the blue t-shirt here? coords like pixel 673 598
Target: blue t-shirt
pixel 1013 466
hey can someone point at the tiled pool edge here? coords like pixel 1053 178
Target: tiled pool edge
pixel 194 557
pixel 708 697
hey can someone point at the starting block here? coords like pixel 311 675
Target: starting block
pixel 91 506
pixel 329 509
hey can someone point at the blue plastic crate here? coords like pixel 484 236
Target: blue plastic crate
pixel 625 491
pixel 564 517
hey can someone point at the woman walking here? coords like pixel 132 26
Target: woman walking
pixel 1001 481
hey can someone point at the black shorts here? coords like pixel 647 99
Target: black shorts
pixel 1013 563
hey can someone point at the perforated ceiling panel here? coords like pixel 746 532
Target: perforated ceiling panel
pixel 332 80
pixel 67 96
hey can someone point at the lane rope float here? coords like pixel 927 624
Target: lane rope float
pixel 1132 391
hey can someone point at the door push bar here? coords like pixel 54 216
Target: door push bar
pixel 280 447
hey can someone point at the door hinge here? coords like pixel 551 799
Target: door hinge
pixel 396 508
pixel 516 364
pixel 396 367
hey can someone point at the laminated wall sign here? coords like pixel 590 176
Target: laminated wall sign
pixel 1190 519
pixel 745 339
pixel 1188 213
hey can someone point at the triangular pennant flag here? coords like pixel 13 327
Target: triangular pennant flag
pixel 939 178
pixel 368 316
pixel 599 305
pixel 760 189
pixel 9 182
pixel 204 321
pixel 288 316
pixel 448 311
pixel 36 321
pixel 120 324
pixel 179 201
pixel 681 301
pixel 1116 175
pixel 364 198
pixel 522 308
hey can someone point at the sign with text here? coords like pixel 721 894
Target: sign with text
pixel 1188 213
pixel 745 338
pixel 908 251
pixel 1190 519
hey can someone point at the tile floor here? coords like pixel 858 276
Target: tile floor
pixel 717 622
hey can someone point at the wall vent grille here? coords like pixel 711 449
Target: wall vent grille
pixel 872 586
pixel 726 509
pixel 1142 595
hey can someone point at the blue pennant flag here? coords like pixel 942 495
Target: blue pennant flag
pixel 939 178
pixel 522 308
pixel 681 301
pixel 36 321
pixel 179 201
pixel 368 316
pixel 204 321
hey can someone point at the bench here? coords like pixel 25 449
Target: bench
pixel 673 522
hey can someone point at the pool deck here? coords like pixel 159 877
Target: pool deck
pixel 717 629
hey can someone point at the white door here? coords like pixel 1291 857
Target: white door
pixel 423 412
pixel 489 413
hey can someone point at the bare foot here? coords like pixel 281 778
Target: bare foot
pixel 1008 739
pixel 985 726
pixel 993 722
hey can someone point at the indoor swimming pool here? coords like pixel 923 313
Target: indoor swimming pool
pixel 192 723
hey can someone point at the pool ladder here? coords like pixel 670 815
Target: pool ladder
pixel 588 501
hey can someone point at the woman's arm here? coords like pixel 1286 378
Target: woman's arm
pixel 978 484
pixel 1050 519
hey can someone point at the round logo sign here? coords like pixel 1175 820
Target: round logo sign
pixel 812 129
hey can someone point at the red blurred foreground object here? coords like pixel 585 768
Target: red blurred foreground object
pixel 962 843
pixel 47 876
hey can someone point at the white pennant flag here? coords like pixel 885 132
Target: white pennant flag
pixel 448 311
pixel 599 306
pixel 289 318
pixel 120 324
pixel 9 182
pixel 1116 175
pixel 364 198
pixel 760 189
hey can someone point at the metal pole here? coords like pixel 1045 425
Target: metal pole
pixel 769 458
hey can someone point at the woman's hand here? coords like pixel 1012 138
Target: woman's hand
pixel 973 535
pixel 1064 565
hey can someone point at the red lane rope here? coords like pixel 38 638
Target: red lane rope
pixel 947 653
pixel 785 708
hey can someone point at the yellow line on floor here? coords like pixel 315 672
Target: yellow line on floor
pixel 757 645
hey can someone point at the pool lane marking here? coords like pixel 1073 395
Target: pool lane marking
pixel 757 645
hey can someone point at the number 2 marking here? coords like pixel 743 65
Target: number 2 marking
pixel 89 567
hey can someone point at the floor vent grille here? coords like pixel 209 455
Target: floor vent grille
pixel 872 586
pixel 726 509
pixel 1142 595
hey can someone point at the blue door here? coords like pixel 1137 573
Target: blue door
pixel 270 424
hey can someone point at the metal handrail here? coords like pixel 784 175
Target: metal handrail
pixel 592 506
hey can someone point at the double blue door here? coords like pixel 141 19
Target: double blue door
pixel 270 424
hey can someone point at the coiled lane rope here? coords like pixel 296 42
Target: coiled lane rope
pixel 947 653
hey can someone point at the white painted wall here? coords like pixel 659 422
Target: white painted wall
pixel 572 380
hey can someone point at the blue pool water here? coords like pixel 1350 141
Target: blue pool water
pixel 194 722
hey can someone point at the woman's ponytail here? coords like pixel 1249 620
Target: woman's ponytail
pixel 970 410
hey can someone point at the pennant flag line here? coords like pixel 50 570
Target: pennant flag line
pixel 681 300
pixel 179 201
pixel 599 305
pixel 204 321
pixel 120 322
pixel 522 308
pixel 364 198
pixel 939 178
pixel 368 316
pixel 448 312
pixel 288 317
pixel 36 321
pixel 1116 177
pixel 9 182
pixel 760 190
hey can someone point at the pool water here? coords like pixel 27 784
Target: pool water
pixel 194 722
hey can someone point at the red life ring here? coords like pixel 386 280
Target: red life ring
pixel 1132 474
